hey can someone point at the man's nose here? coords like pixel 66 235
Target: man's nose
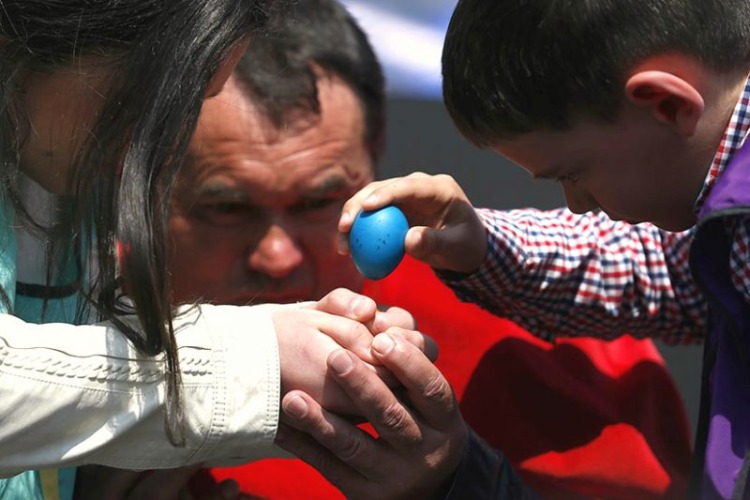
pixel 277 253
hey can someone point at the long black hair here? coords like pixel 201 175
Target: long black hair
pixel 162 55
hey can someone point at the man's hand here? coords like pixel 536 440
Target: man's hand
pixel 420 443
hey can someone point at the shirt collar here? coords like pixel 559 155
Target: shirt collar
pixel 734 137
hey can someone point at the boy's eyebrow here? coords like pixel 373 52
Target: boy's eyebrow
pixel 552 173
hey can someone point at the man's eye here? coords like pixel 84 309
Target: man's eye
pixel 317 204
pixel 228 208
pixel 224 213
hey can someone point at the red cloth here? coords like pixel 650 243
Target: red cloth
pixel 578 418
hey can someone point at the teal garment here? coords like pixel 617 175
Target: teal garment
pixel 27 485
pixel 7 257
pixel 24 486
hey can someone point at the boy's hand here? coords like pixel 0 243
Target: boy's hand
pixel 445 232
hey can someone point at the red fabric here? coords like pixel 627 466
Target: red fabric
pixel 578 418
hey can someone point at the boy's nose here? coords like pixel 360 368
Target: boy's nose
pixel 277 254
pixel 578 200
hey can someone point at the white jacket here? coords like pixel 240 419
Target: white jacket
pixel 81 394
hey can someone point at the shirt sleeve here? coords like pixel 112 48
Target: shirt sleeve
pixel 82 394
pixel 561 274
pixel 485 473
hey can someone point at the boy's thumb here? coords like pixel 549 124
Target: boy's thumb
pixel 447 248
pixel 419 242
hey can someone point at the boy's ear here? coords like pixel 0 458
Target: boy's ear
pixel 672 100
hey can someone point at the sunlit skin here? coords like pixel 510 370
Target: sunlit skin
pixel 255 209
pixel 63 107
pixel 650 163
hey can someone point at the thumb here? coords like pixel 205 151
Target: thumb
pixel 450 248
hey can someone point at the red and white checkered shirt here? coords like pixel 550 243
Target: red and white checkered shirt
pixel 561 274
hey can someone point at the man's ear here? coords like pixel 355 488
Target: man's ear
pixel 672 100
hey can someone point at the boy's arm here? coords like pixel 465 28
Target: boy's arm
pixel 561 274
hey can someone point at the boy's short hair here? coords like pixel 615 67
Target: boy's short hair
pixel 513 66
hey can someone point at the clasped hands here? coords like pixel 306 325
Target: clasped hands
pixel 388 380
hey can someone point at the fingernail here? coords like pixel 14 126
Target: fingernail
pixel 344 218
pixel 340 362
pixel 295 407
pixel 383 343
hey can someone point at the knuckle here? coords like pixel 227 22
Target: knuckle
pixel 445 178
pixel 395 418
pixel 318 459
pixel 437 391
pixel 350 448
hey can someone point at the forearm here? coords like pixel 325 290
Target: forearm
pixel 557 273
pixel 81 394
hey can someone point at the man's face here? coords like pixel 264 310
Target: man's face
pixel 633 170
pixel 255 210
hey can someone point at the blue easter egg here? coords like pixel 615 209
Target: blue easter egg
pixel 376 241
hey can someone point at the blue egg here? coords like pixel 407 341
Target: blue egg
pixel 376 241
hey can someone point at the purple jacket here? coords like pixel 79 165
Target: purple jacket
pixel 722 454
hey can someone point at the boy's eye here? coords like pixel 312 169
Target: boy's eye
pixel 569 178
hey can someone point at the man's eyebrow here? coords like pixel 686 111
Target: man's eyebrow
pixel 331 184
pixel 221 190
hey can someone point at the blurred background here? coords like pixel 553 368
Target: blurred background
pixel 408 37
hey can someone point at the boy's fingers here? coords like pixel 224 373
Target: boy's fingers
pixel 418 243
pixel 354 204
pixel 460 248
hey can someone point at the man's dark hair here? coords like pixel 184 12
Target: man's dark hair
pixel 161 56
pixel 513 66
pixel 278 68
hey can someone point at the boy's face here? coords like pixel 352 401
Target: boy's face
pixel 634 169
